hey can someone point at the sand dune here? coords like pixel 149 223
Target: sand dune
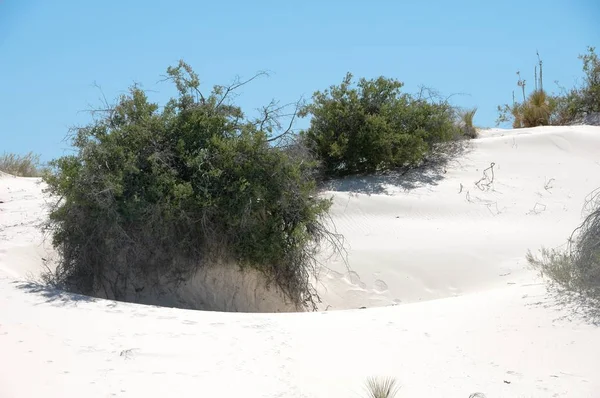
pixel 449 236
pixel 468 314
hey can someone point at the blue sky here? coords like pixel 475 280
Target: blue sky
pixel 52 52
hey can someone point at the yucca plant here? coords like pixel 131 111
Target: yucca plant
pixel 382 387
pixel 466 119
pixel 536 111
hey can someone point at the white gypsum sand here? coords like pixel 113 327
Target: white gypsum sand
pixel 471 317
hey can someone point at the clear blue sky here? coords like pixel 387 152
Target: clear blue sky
pixel 51 52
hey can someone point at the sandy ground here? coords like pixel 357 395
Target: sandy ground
pixel 439 259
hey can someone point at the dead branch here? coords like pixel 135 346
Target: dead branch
pixel 237 83
pixel 487 180
pixel 497 210
pixel 537 208
pixel 273 116
pixel 468 197
pixel 548 185
pixel 430 94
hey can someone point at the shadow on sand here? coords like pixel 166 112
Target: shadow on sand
pixel 53 295
pixel 430 173
pixel 570 306
pixel 578 306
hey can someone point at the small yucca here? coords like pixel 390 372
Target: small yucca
pixel 536 111
pixel 382 387
pixel 467 123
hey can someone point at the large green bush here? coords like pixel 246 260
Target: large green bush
pixel 153 194
pixel 373 126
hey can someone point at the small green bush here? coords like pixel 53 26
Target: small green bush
pixel 372 126
pixel 21 165
pixel 589 92
pixel 572 105
pixel 154 194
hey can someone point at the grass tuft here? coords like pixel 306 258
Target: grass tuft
pixel 468 127
pixel 536 111
pixel 21 165
pixel 382 387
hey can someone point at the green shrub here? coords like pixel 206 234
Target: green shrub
pixel 21 165
pixel 589 93
pixel 154 194
pixel 574 104
pixel 373 126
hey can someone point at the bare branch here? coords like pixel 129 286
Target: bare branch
pixel 548 185
pixel 430 94
pixel 487 180
pixel 237 84
pixel 293 115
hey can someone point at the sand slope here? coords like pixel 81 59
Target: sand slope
pixel 447 236
pixel 471 316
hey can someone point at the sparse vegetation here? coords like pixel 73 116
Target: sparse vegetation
pixel 382 387
pixel 151 195
pixel 536 110
pixel 541 109
pixel 372 126
pixel 466 123
pixel 21 165
pixel 576 268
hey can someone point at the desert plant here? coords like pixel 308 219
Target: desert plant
pixel 541 108
pixel 574 104
pixel 576 268
pixel 564 106
pixel 590 90
pixel 21 165
pixel 536 110
pixel 371 126
pixel 466 119
pixel 151 195
pixel 382 387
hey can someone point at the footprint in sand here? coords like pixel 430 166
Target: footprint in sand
pixel 380 286
pixel 354 279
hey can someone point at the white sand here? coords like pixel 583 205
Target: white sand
pixel 471 316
